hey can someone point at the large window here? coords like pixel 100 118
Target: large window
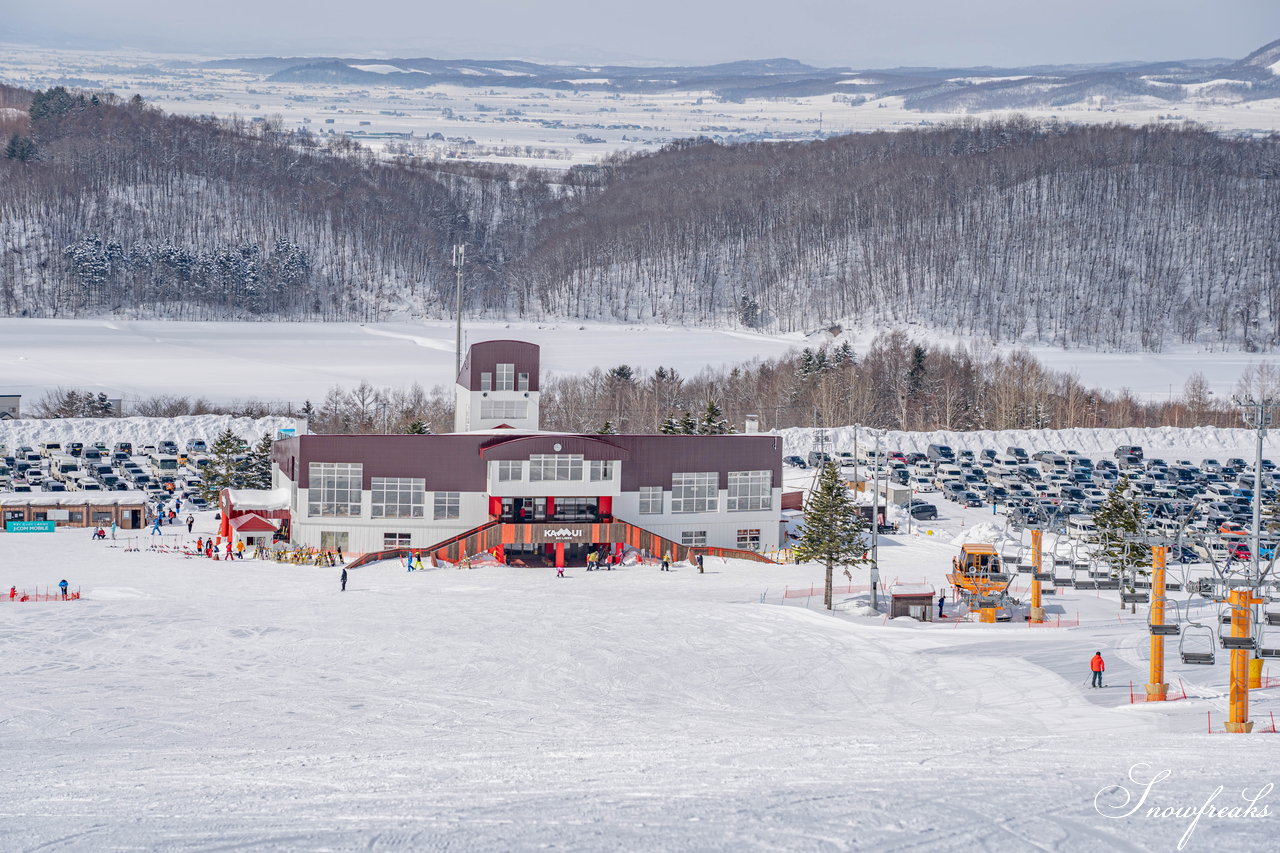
pixel 509 471
pixel 334 540
pixel 396 540
pixel 693 538
pixel 446 505
pixel 503 409
pixel 697 492
pixel 506 377
pixel 486 381
pixel 651 500
pixel 601 471
pixel 749 540
pixel 750 490
pixel 334 489
pixel 567 466
pixel 398 497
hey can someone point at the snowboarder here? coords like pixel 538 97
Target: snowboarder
pixel 666 562
pixel 1096 664
pixel 62 585
pixel 191 521
pixel 560 571
pixel 700 566
pixel 344 580
pixel 942 600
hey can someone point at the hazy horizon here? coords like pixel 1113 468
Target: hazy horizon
pixel 820 32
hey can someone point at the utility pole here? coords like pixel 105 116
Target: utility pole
pixel 459 259
pixel 875 529
pixel 1258 414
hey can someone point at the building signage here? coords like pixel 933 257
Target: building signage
pixel 30 526
pixel 563 533
pixel 58 514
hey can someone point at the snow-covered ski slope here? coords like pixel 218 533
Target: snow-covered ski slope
pixel 224 361
pixel 185 705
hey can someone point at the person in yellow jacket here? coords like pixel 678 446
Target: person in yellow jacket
pixel 240 550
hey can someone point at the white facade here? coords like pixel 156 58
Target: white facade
pixel 488 409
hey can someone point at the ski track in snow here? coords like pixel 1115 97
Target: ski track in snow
pixel 192 705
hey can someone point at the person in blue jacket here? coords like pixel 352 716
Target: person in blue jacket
pixel 62 585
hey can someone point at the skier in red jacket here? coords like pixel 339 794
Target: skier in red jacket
pixel 1098 668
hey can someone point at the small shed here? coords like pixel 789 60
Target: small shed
pixel 252 529
pixel 912 599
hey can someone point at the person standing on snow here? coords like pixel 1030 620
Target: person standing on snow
pixel 113 531
pixel 1098 666
pixel 191 521
pixel 942 600
pixel 155 526
pixel 13 593
pixel 62 585
pixel 666 562
pixel 344 580
pixel 700 566
pixel 240 550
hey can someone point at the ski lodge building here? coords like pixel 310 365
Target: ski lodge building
pixel 500 485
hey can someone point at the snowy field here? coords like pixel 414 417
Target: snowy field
pixel 547 129
pixel 293 362
pixel 185 705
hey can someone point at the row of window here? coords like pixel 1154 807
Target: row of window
pixel 506 379
pixel 748 540
pixel 504 409
pixel 336 486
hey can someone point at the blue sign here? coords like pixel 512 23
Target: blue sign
pixel 30 526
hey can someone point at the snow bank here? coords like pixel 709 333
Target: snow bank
pixel 984 532
pixel 140 431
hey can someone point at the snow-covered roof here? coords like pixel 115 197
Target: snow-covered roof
pixel 72 498
pixel 910 589
pixel 259 499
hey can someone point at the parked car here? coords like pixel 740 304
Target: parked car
pixel 1128 450
pixel 817 457
pixel 939 453
pixel 794 462
pixel 921 510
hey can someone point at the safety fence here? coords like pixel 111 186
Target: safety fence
pixel 1140 697
pixel 810 591
pixel 1269 730
pixel 51 593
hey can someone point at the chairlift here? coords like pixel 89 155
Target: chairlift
pixel 1225 637
pixel 1169 628
pixel 1268 643
pixel 1201 651
pixel 1135 597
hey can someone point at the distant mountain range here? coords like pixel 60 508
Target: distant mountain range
pixel 1255 77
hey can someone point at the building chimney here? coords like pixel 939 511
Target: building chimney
pixel 752 425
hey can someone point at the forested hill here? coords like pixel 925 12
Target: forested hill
pixel 1083 236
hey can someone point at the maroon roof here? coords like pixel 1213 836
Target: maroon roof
pixel 486 355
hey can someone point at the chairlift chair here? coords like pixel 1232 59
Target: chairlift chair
pixel 1135 597
pixel 1169 628
pixel 1202 651
pixel 1268 643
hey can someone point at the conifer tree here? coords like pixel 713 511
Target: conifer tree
pixel 257 468
pixel 607 428
pixel 713 421
pixel 1120 520
pixel 688 424
pixel 224 470
pixel 669 426
pixel 418 427
pixel 833 528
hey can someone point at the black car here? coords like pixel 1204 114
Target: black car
pixel 794 461
pixel 922 510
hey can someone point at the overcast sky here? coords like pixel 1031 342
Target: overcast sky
pixel 827 32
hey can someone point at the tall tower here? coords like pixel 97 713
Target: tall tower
pixel 497 386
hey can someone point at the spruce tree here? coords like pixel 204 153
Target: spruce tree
pixel 1120 520
pixel 713 421
pixel 418 427
pixel 607 428
pixel 688 424
pixel 256 472
pixel 669 426
pixel 833 528
pixel 224 470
